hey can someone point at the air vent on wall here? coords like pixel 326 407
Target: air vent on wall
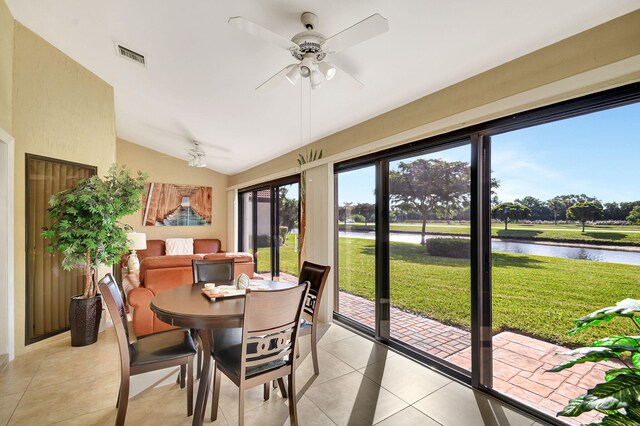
pixel 130 54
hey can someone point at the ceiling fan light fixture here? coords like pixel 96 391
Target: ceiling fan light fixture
pixel 316 79
pixel 293 75
pixel 306 66
pixel 327 69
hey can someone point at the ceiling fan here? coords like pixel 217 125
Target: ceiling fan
pixel 196 156
pixel 311 48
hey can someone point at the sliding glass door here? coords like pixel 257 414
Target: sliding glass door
pixel 475 251
pixel 269 218
pixel 429 264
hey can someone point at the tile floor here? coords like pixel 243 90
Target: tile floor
pixel 519 362
pixel 360 383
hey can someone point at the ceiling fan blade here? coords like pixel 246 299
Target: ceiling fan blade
pixel 353 80
pixel 275 79
pixel 262 33
pixel 368 28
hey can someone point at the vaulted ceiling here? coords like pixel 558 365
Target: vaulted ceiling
pixel 201 72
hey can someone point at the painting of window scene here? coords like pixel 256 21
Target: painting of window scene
pixel 168 204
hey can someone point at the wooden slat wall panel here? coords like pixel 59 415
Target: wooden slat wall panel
pixel 49 287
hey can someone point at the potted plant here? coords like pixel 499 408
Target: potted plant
pixel 86 231
pixel 618 396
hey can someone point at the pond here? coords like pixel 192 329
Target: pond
pixel 567 252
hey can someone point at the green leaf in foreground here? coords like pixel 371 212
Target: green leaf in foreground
pixel 626 308
pixel 590 354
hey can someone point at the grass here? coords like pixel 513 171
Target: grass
pixel 596 234
pixel 534 295
pixel 288 257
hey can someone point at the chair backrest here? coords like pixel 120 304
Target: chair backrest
pixel 271 321
pixel 112 296
pixel 316 275
pixel 206 271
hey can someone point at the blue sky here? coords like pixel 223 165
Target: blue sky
pixel 596 154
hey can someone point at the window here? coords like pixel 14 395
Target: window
pixel 480 234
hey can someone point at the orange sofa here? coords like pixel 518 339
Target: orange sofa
pixel 159 272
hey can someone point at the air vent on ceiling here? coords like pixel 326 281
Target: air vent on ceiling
pixel 130 54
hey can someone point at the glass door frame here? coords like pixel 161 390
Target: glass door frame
pixel 382 300
pixel 481 375
pixel 273 187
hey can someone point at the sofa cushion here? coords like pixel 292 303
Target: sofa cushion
pixel 238 257
pixel 154 248
pixel 178 246
pixel 162 262
pixel 159 280
pixel 204 245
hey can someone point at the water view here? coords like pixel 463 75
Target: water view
pixel 622 256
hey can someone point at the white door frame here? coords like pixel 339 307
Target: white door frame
pixel 7 309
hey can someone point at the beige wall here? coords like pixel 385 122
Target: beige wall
pixel 165 169
pixel 6 66
pixel 60 110
pixel 606 44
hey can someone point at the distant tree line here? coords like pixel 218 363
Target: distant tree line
pixel 424 190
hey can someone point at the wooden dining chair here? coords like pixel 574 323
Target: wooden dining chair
pixel 148 353
pixel 209 271
pixel 316 275
pixel 263 350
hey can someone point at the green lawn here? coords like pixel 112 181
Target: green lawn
pixel 288 257
pixel 597 234
pixel 535 295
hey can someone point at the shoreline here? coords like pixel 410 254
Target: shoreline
pixel 539 241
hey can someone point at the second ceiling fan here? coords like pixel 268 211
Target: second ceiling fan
pixel 311 48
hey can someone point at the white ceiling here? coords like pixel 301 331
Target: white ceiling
pixel 201 72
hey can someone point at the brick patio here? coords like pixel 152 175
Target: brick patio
pixel 519 362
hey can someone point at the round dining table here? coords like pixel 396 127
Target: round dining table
pixel 188 307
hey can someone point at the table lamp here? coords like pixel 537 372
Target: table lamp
pixel 135 241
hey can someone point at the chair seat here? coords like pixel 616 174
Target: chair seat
pixel 163 346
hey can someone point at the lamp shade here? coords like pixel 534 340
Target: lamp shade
pixel 136 240
pixel 328 70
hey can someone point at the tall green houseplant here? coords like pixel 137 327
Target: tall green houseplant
pixel 85 225
pixel 86 231
pixel 618 396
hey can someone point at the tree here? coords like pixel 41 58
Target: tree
pixel 346 211
pixel 557 205
pixel 582 212
pixel 539 210
pixel 421 186
pixel 288 211
pixel 366 210
pixel 571 199
pixel 508 212
pixel 495 184
pixel 357 218
pixel 85 222
pixel 634 216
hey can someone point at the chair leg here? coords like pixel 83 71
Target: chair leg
pixel 283 389
pixel 183 371
pixel 266 391
pixel 241 405
pixel 215 398
pixel 199 366
pixel 314 350
pixel 123 401
pixel 190 386
pixel 293 409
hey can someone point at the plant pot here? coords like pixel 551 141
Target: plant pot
pixel 84 319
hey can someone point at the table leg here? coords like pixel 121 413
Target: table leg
pixel 205 378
